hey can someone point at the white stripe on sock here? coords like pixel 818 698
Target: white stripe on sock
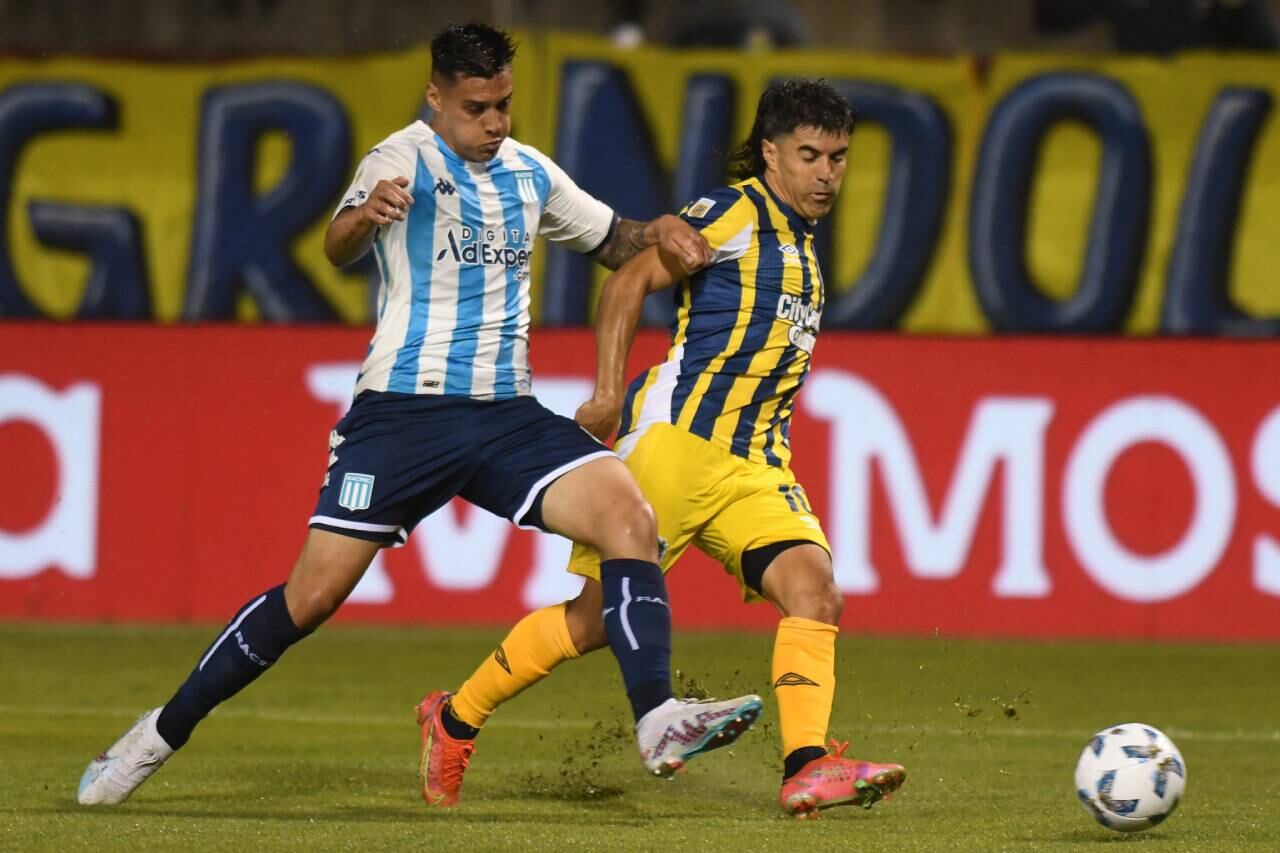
pixel 234 625
pixel 622 614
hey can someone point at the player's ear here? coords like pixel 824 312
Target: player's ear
pixel 770 152
pixel 433 96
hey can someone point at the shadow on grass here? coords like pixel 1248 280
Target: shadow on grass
pixel 485 813
pixel 597 801
pixel 1101 836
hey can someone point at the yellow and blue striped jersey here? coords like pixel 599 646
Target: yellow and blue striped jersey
pixel 744 330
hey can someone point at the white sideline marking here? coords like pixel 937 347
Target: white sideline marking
pixel 543 724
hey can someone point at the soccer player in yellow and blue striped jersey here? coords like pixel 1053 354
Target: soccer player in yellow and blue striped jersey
pixel 705 433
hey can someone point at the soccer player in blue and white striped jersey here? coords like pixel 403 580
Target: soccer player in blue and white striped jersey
pixel 443 407
pixel 455 247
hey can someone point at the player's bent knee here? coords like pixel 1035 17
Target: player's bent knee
pixel 798 579
pixel 829 604
pixel 587 634
pixel 311 601
pixel 628 518
pixel 599 505
pixel 642 523
pixel 311 607
pixel 327 570
pixel 630 530
pixel 821 603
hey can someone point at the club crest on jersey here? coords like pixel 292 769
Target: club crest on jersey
pixel 526 186
pixel 357 492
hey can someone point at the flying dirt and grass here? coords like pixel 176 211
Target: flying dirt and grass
pixel 323 753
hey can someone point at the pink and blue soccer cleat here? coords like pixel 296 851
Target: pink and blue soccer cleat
pixel 834 780
pixel 681 729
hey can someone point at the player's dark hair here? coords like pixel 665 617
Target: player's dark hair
pixel 471 50
pixel 785 106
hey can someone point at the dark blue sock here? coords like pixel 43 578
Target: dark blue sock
pixel 253 641
pixel 637 619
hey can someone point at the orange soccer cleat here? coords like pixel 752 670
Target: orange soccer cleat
pixel 444 758
pixel 834 780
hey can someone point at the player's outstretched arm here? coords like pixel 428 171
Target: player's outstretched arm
pixel 677 237
pixel 621 303
pixel 352 231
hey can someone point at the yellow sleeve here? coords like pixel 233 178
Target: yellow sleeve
pixel 726 218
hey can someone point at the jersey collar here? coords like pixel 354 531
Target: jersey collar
pixel 454 157
pixel 798 223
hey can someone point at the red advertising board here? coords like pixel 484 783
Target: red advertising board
pixel 1013 487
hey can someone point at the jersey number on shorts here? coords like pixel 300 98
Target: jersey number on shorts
pixel 796 498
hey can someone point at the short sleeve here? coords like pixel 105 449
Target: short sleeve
pixel 571 216
pixel 392 158
pixel 725 218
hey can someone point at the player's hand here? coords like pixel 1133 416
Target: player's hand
pixel 684 242
pixel 600 417
pixel 389 202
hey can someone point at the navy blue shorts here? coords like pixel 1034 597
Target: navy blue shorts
pixel 396 458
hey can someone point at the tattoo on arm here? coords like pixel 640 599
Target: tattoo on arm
pixel 628 240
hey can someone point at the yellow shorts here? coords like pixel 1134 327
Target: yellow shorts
pixel 705 496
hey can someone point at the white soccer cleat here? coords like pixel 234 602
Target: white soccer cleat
pixel 115 774
pixel 681 729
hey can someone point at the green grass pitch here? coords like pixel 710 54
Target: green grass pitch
pixel 321 753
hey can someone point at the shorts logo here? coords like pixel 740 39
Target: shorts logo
pixel 500 655
pixel 794 679
pixel 357 492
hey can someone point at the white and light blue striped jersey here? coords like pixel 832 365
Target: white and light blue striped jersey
pixel 453 307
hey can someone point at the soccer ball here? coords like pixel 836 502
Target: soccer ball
pixel 1130 777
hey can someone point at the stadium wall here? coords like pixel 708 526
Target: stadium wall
pixel 1015 194
pixel 1028 486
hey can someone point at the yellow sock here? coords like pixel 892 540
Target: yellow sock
pixel 536 645
pixel 804 680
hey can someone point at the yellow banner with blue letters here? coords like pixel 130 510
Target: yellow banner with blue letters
pixel 1020 194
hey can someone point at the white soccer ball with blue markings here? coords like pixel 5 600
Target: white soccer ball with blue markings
pixel 1130 777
